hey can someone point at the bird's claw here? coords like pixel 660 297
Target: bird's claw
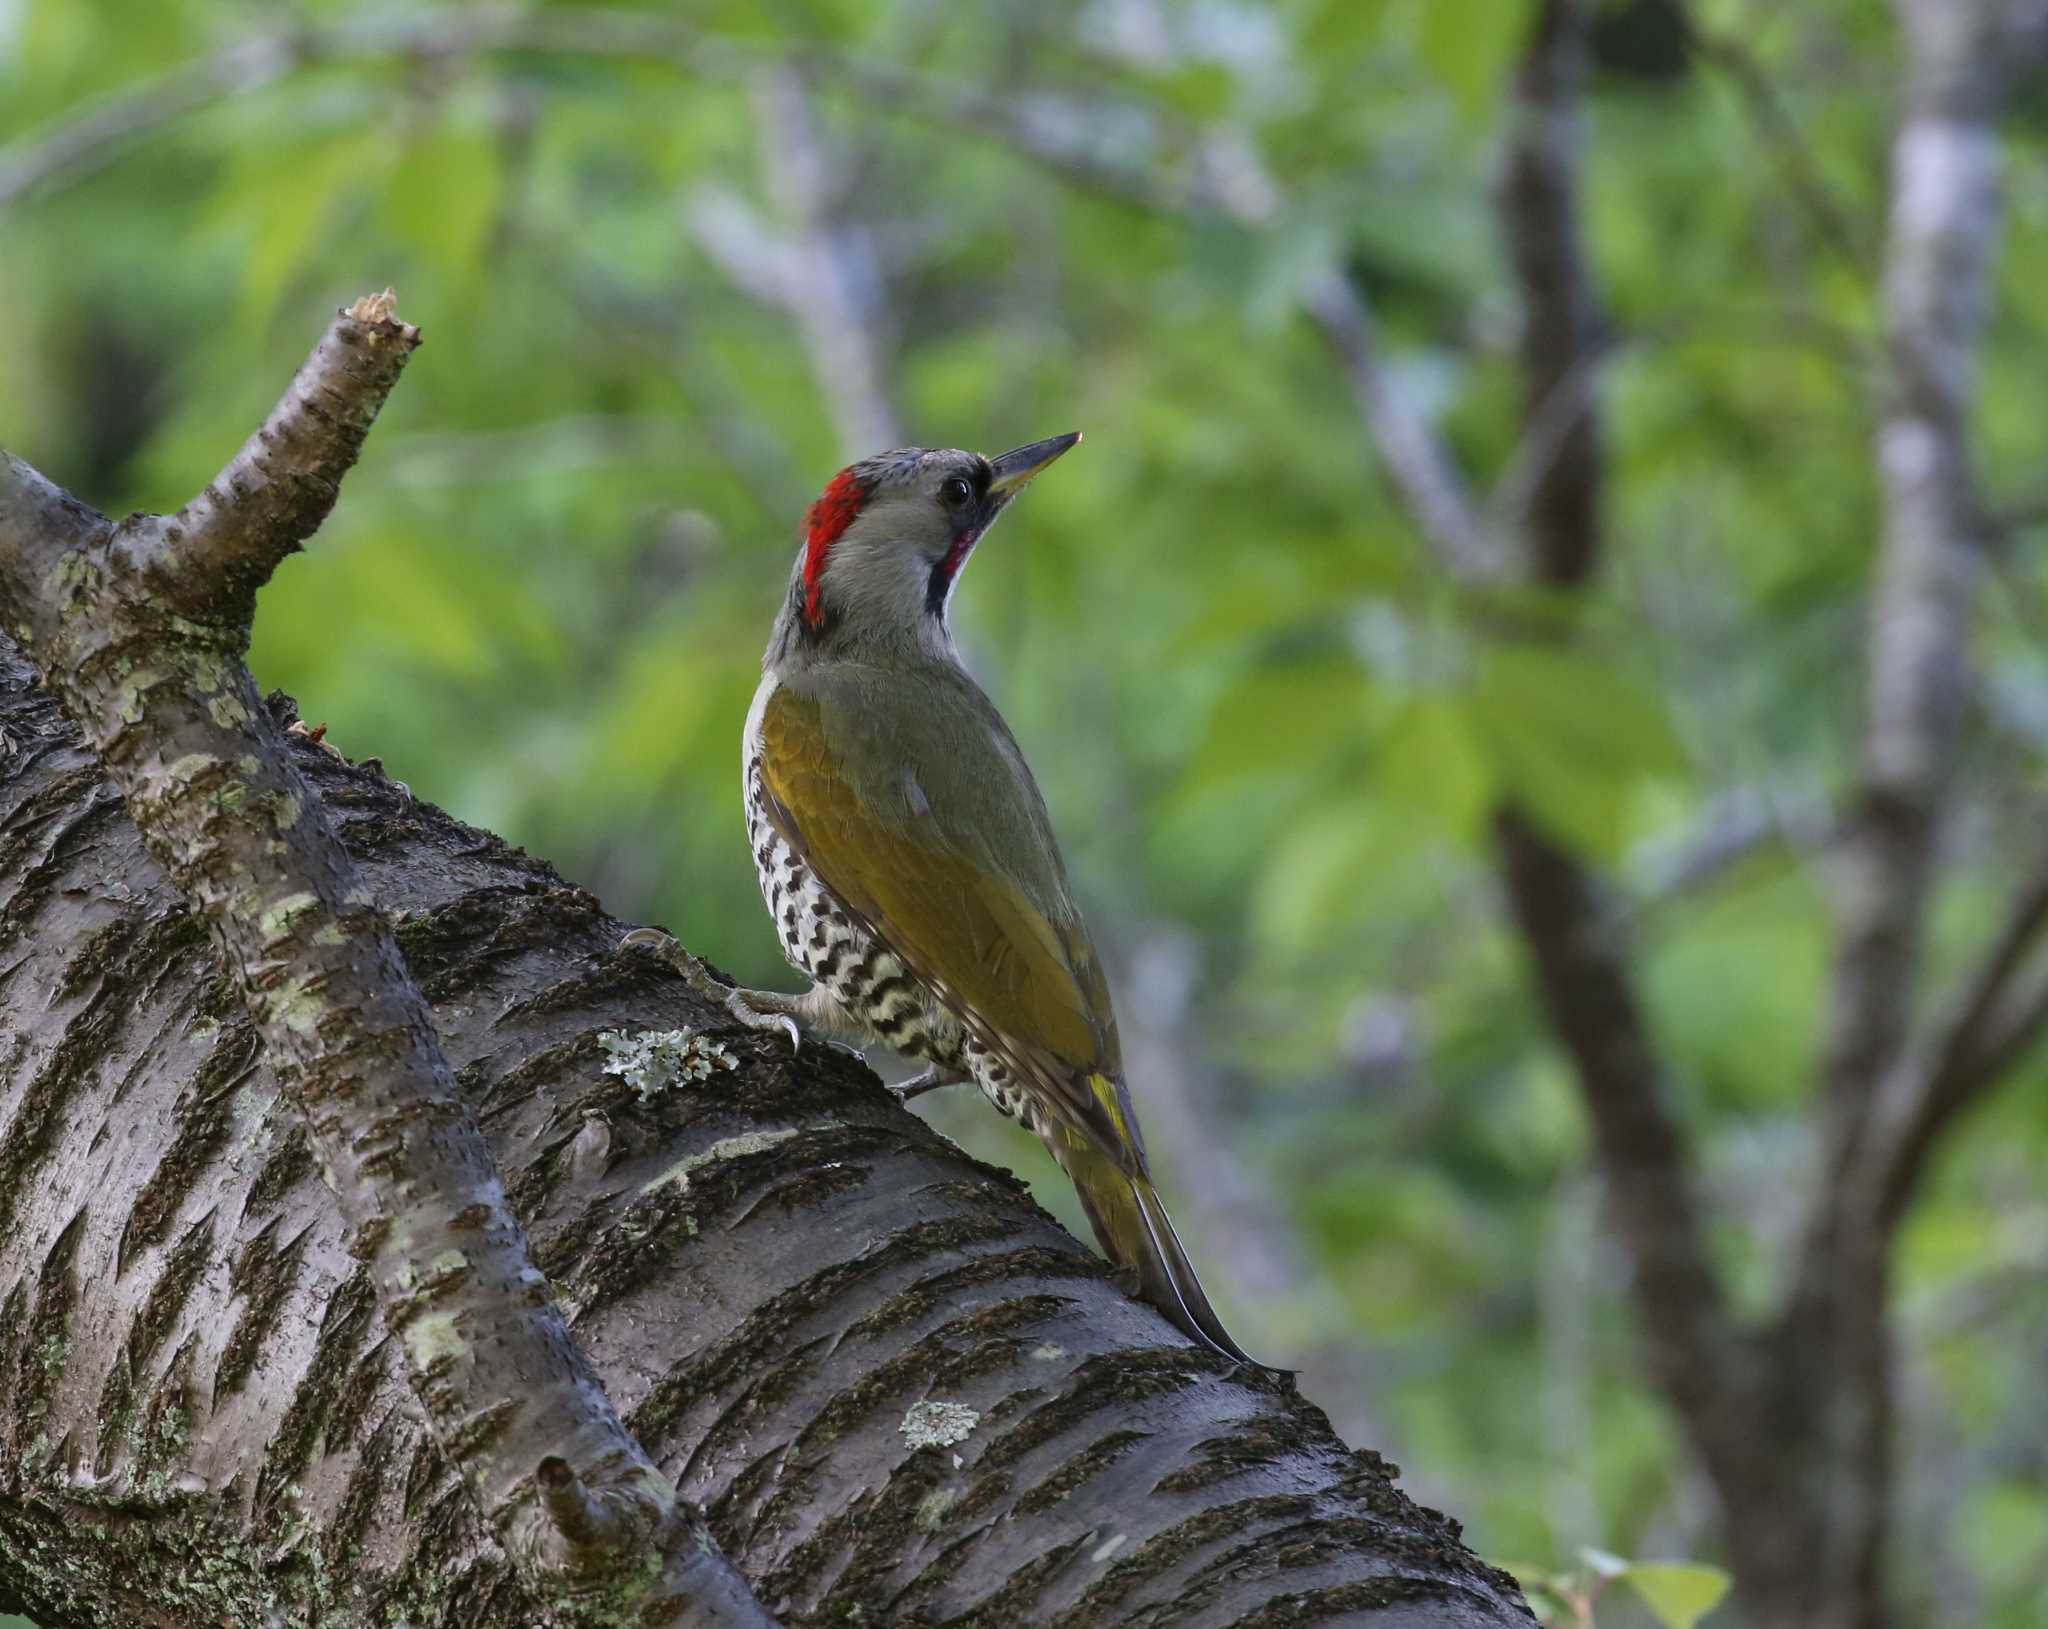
pixel 736 1004
pixel 697 974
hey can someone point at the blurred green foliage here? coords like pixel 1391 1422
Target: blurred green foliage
pixel 1261 715
pixel 1676 1594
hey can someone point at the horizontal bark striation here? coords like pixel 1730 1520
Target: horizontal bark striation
pixel 205 1420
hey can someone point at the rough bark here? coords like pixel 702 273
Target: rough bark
pixel 140 629
pixel 769 1269
pixel 898 1390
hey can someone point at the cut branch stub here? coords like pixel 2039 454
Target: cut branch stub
pixel 140 630
pixel 211 557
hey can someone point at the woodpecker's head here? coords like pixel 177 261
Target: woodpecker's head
pixel 884 544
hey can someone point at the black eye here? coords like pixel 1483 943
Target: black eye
pixel 956 492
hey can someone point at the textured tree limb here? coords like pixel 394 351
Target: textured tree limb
pixel 140 630
pixel 1581 977
pixel 1573 935
pixel 1835 1341
pixel 1536 199
pixel 214 554
pixel 1943 234
pixel 771 1362
pixel 773 1267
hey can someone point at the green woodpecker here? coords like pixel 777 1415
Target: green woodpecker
pixel 906 855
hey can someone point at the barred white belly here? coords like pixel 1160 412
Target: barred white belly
pixel 822 940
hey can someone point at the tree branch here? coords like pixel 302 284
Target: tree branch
pixel 1425 477
pixel 211 557
pixel 1984 1033
pixel 1536 198
pixel 1835 1336
pixel 1580 971
pixel 772 1268
pixel 1573 936
pixel 71 148
pixel 822 276
pixel 74 147
pixel 1943 234
pixel 1779 131
pixel 140 629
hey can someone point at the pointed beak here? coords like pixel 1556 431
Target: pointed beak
pixel 1016 467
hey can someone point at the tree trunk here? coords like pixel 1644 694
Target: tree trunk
pixel 206 1423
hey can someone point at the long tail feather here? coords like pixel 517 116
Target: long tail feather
pixel 1135 1232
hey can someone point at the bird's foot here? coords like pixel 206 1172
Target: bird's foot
pixel 928 1080
pixel 757 1009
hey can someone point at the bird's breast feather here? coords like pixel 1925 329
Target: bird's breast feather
pixel 957 919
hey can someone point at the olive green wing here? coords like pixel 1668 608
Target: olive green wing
pixel 1027 986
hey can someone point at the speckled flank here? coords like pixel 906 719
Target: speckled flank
pixel 867 982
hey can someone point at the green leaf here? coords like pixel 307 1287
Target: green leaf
pixel 1431 758
pixel 1738 976
pixel 443 198
pixel 1680 1593
pixel 1341 31
pixel 1281 718
pixel 1468 44
pixel 1319 873
pixel 1572 737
